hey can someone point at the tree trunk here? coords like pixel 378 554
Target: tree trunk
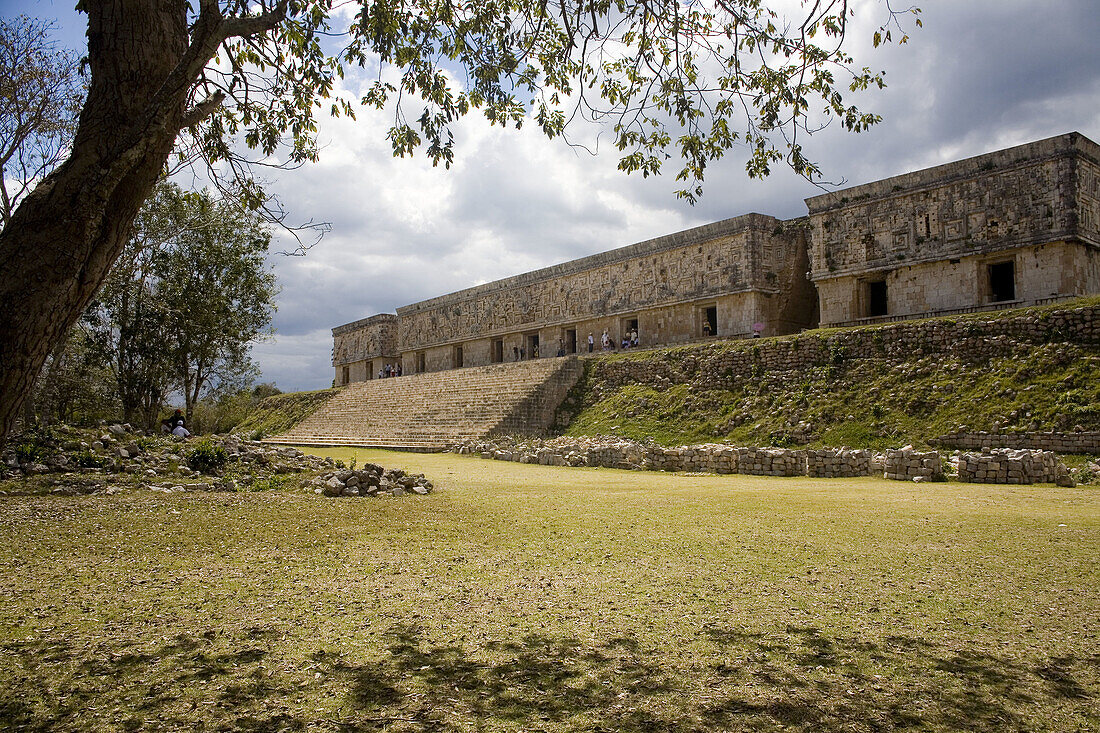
pixel 61 241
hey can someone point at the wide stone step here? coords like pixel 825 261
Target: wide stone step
pixel 431 411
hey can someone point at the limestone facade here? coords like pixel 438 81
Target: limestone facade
pixel 1009 228
pixel 363 348
pixel 1013 227
pixel 716 280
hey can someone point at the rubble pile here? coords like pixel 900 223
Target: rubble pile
pixel 370 480
pixel 118 456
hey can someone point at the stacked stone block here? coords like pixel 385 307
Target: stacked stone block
pixel 709 458
pixel 841 462
pixel 906 464
pixel 969 338
pixel 1007 466
pixel 1083 442
pixel 771 462
pixel 632 455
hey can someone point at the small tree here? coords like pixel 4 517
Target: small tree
pixel 76 385
pixel 184 301
pixel 217 293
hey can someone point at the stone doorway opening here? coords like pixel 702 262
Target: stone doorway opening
pixel 496 351
pixel 1002 281
pixel 456 357
pixel 877 300
pixel 629 328
pixel 708 321
pixel 532 341
pixel 571 341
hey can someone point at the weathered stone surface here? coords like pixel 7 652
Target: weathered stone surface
pixel 907 464
pixel 1008 466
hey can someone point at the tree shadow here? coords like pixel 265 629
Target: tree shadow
pixel 59 686
pixel 799 678
pixel 796 678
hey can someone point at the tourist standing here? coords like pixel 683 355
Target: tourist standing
pixel 591 342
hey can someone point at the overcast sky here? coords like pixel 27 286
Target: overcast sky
pixel 981 75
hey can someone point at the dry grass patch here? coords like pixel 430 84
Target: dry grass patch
pixel 525 597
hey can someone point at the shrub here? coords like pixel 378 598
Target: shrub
pixel 88 459
pixel 30 452
pixel 267 483
pixel 207 457
pixel 146 442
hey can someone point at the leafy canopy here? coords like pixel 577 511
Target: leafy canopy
pixel 689 78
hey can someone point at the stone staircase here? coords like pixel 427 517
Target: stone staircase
pixel 431 411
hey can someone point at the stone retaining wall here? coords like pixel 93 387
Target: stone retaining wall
pixel 1079 443
pixel 904 464
pixel 1007 466
pixel 842 462
pixel 971 338
pixel 911 465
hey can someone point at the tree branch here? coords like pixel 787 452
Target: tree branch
pixel 202 110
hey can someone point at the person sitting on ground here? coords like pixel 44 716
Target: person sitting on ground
pixel 175 425
pixel 626 343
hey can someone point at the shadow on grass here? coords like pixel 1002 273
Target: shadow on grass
pixel 52 685
pixel 800 679
pixel 797 678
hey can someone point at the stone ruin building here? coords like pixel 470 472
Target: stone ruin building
pixel 1015 227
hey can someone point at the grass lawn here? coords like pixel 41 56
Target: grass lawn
pixel 536 598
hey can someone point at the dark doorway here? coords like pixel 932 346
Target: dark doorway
pixel 1002 281
pixel 346 375
pixel 710 321
pixel 571 341
pixel 421 363
pixel 456 357
pixel 876 298
pixel 532 346
pixel 370 370
pixel 496 352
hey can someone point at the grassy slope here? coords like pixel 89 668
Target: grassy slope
pixel 279 413
pixel 861 403
pixel 538 598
